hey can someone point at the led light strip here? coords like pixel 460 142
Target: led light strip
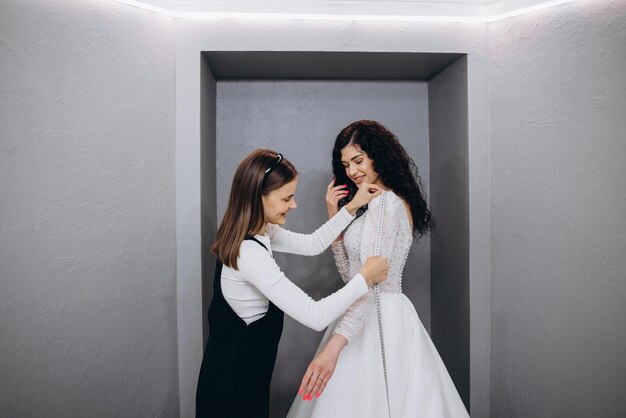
pixel 525 10
pixel 344 17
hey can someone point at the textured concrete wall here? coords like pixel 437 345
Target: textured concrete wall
pixel 447 96
pixel 87 244
pixel 558 210
pixel 301 120
pixel 86 216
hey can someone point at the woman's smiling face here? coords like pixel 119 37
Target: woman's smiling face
pixel 277 203
pixel 359 167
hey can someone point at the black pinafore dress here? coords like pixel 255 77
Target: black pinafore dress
pixel 238 361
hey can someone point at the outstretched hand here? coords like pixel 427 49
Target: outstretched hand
pixel 318 374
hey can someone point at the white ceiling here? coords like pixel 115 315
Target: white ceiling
pixel 390 10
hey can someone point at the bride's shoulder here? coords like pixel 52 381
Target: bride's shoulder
pixel 392 198
pixel 397 204
pixel 391 201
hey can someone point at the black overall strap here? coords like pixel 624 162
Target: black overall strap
pixel 218 267
pixel 251 238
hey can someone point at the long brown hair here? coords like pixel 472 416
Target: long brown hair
pixel 244 214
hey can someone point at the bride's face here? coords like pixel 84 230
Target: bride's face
pixel 359 167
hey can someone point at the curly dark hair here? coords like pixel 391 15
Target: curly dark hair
pixel 396 169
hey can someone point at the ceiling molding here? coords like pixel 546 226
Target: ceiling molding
pixel 405 11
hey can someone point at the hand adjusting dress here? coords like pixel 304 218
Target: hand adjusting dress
pixel 419 384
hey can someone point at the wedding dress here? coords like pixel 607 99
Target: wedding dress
pixel 419 383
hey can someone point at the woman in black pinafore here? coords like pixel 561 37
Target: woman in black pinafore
pixel 239 358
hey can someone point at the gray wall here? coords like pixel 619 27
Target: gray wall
pixel 87 285
pixel 208 189
pixel 301 119
pixel 558 211
pixel 450 299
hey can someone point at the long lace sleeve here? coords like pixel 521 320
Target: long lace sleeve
pixel 354 318
pixel 341 260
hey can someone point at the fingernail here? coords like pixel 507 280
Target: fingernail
pixel 300 392
pixel 318 395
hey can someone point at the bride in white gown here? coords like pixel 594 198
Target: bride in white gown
pixel 347 367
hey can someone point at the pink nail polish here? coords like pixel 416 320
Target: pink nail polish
pixel 300 392
pixel 318 395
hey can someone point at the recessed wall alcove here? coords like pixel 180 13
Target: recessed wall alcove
pixel 296 103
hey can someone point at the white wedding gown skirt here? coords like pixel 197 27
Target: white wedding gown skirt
pixel 419 384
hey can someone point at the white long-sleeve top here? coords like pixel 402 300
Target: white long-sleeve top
pixel 259 279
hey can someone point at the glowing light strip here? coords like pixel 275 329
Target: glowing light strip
pixel 148 7
pixel 349 17
pixel 525 10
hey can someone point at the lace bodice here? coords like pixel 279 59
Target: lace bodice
pixel 359 243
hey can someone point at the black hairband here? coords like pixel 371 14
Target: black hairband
pixel 274 163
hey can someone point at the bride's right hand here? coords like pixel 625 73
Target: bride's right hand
pixel 375 270
pixel 333 195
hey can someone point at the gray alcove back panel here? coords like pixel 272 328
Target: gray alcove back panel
pixel 301 120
